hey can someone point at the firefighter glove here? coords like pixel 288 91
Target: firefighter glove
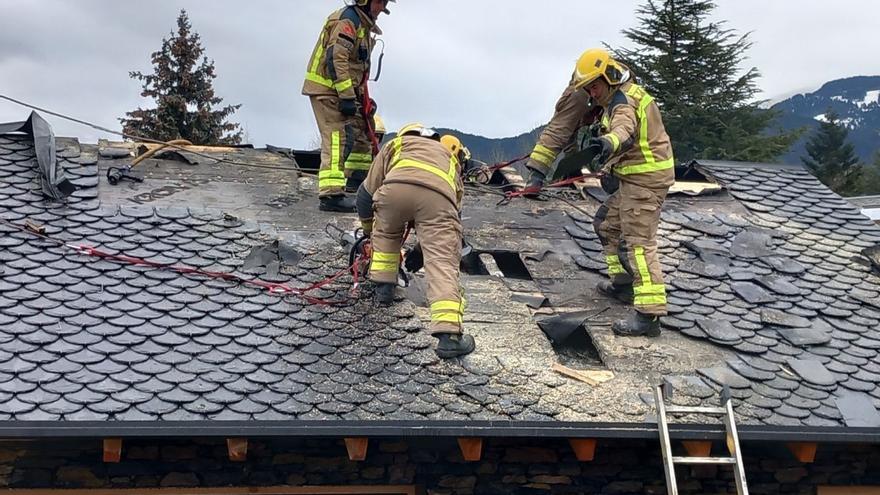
pixel 348 107
pixel 602 149
pixel 367 226
pixel 535 184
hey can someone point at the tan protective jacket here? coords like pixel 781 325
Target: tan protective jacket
pixel 572 112
pixel 642 150
pixel 420 161
pixel 342 56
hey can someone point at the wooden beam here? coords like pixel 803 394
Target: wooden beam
pixel 697 448
pixel 112 449
pixel 244 490
pixel 584 448
pixel 237 448
pixel 471 448
pixel 357 448
pixel 804 452
pixel 849 490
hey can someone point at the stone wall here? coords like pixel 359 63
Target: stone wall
pixel 507 466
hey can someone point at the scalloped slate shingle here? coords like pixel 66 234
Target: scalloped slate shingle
pixel 785 287
pixel 90 339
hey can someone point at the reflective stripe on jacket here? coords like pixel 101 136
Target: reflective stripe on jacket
pixel 642 149
pixel 342 55
pixel 420 161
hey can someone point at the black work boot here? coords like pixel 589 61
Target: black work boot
pixel 453 345
pixel 623 293
pixel 353 183
pixel 385 294
pixel 638 325
pixel 339 204
pixel 535 184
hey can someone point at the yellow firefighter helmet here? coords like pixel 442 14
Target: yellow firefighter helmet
pixel 595 63
pixel 418 129
pixel 378 125
pixel 451 143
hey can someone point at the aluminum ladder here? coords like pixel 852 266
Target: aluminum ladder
pixel 725 411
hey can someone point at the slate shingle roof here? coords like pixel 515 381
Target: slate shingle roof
pixel 769 274
pixel 90 339
pixel 781 282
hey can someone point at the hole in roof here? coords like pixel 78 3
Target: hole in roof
pixel 690 181
pixel 507 264
pixel 578 351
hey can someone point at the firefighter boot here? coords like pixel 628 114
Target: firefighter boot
pixel 453 345
pixel 385 294
pixel 339 204
pixel 623 293
pixel 354 182
pixel 638 325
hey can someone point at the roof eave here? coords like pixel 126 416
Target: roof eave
pixel 37 430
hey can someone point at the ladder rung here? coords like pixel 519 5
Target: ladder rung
pixel 704 460
pixel 712 411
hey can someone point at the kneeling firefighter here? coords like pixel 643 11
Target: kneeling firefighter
pixel 416 179
pixel 633 148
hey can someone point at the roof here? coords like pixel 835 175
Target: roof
pixel 92 345
pixel 774 270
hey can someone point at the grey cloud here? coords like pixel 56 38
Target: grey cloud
pixel 493 67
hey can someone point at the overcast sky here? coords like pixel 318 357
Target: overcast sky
pixel 491 67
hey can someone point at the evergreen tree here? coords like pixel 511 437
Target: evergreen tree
pixel 832 159
pixel 182 86
pixel 870 183
pixel 692 67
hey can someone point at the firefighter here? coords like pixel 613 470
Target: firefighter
pixel 416 178
pixel 634 149
pixel 573 111
pixel 379 128
pixel 335 80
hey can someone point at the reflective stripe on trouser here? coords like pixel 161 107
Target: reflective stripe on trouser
pixel 543 157
pixel 439 231
pixel 384 265
pixel 627 227
pixel 345 146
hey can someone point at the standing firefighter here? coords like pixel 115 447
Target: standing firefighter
pixel 335 82
pixel 635 149
pixel 416 179
pixel 573 111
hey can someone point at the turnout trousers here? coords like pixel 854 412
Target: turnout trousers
pixel 438 227
pixel 346 150
pixel 627 227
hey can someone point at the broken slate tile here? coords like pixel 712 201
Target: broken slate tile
pixel 812 372
pixel 783 319
pixel 858 410
pixel 817 334
pixel 720 330
pixel 724 376
pixel 752 293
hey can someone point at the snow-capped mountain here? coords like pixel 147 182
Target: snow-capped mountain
pixel 856 101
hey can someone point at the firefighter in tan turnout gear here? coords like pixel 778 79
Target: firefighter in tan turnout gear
pixel 335 80
pixel 416 179
pixel 633 147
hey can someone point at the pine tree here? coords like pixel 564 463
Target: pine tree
pixel 182 86
pixel 871 178
pixel 832 159
pixel 692 67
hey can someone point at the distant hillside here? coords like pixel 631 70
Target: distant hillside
pixel 855 99
pixel 492 150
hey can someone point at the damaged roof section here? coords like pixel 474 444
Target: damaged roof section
pixel 781 274
pixel 88 339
